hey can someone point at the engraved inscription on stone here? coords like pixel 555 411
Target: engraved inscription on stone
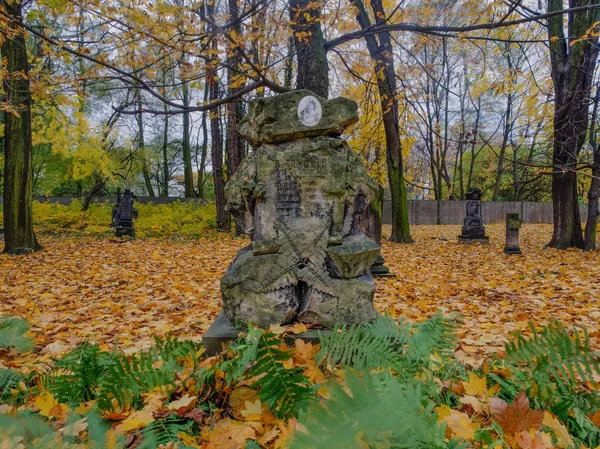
pixel 308 166
pixel 309 111
pixel 287 201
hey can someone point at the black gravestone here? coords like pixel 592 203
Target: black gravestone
pixel 124 213
pixel 473 229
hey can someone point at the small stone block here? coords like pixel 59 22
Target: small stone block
pixel 222 332
pixel 512 250
pixel 467 239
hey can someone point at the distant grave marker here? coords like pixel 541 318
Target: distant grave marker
pixel 124 213
pixel 473 229
pixel 513 225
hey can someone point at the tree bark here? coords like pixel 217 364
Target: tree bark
pixel 311 55
pixel 165 157
pixel 382 55
pixel 592 218
pixel 19 237
pixel 204 150
pixel 572 69
pixel 188 174
pixel 236 151
pixel 141 145
pixel 223 217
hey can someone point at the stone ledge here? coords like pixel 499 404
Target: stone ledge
pixel 222 331
pixel 467 239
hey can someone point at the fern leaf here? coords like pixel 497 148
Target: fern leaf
pixel 285 391
pixel 372 411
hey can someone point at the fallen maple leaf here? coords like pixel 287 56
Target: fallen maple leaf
pixel 529 439
pixel 75 429
pixel 563 439
pixel 50 407
pixel 476 386
pixel 277 329
pixel 227 434
pixel 517 416
pixel 253 411
pixel 183 404
pixel 459 423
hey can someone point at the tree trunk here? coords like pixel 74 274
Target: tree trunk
pixel 382 56
pixel 98 186
pixel 313 72
pixel 165 157
pixel 223 218
pixel 573 65
pixel 19 237
pixel 188 174
pixel 502 155
pixel 141 146
pixel 592 218
pixel 202 167
pixel 234 108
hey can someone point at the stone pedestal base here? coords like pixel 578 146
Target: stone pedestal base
pixel 222 332
pixel 512 250
pixel 378 269
pixel 470 239
pixel 121 232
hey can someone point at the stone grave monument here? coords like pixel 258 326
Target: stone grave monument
pixel 473 229
pixel 300 195
pixel 123 213
pixel 513 224
pixel 371 223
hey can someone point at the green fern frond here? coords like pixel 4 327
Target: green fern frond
pixel 437 334
pixel 554 358
pixel 387 344
pixel 372 411
pixel 252 444
pixel 285 391
pixel 77 375
pixel 370 346
pixel 244 354
pixel 13 334
pixel 164 431
pixel 9 380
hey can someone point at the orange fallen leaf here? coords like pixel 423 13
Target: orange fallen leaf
pixel 517 416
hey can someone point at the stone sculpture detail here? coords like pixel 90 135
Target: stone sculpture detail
pixel 300 196
pixel 473 229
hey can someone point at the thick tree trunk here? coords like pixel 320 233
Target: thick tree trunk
pixel 19 237
pixel 313 72
pixel 234 108
pixel 592 218
pixel 382 55
pixel 573 64
pixel 223 217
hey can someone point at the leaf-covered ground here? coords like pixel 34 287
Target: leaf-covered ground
pixel 113 292
pixel 120 294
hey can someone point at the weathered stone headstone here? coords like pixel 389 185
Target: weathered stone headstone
pixel 371 223
pixel 300 196
pixel 123 213
pixel 473 229
pixel 513 224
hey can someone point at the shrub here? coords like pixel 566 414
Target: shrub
pixel 179 219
